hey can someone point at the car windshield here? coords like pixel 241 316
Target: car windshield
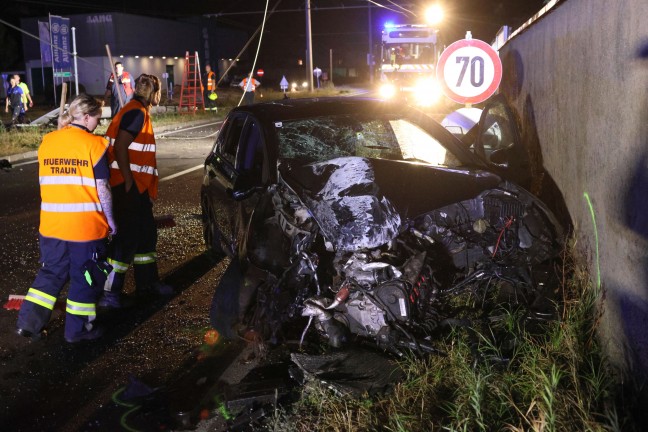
pixel 324 138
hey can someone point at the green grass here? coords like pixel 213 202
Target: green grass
pixel 557 379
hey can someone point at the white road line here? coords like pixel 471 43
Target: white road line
pixel 178 174
pixel 189 128
pixel 25 163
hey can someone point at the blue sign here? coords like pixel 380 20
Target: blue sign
pixel 60 29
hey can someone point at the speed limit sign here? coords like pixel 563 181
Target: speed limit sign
pixel 469 71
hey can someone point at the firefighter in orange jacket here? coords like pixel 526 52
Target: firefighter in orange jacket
pixel 210 89
pixel 123 85
pixel 134 182
pixel 75 219
pixel 249 85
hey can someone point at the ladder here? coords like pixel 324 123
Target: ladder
pixel 191 95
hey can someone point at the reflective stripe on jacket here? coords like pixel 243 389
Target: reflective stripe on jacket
pixel 70 207
pixel 211 81
pixel 141 152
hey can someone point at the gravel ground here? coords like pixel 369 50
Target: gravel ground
pixel 51 385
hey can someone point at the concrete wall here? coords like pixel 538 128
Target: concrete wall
pixel 579 85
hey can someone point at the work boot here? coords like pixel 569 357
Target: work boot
pixel 160 288
pixel 110 300
pixel 30 335
pixel 93 334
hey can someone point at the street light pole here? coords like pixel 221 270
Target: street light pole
pixel 309 47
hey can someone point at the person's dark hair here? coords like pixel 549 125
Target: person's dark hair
pixel 118 63
pixel 148 87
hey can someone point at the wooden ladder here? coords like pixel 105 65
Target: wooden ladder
pixel 191 95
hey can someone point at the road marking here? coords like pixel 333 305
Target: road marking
pixel 178 174
pixel 25 163
pixel 189 128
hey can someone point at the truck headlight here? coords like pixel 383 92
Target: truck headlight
pixel 387 91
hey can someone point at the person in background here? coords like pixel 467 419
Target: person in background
pixel 134 181
pixel 75 221
pixel 249 85
pixel 209 93
pixel 123 85
pixel 15 102
pixel 26 95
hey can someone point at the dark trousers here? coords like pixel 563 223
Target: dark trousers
pixel 209 104
pixel 135 242
pixel 248 98
pixel 62 261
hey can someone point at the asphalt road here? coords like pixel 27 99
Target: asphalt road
pixel 158 344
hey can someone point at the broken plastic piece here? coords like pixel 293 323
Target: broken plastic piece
pixel 14 302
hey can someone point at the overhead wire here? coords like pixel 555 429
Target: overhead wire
pixel 385 7
pixel 100 66
pixel 256 56
pixel 401 7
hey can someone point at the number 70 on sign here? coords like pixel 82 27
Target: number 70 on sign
pixel 469 71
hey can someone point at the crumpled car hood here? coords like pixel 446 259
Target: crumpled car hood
pixel 360 203
pixel 345 200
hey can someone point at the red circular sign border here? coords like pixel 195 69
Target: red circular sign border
pixel 497 64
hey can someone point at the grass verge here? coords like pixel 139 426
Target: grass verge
pixel 556 379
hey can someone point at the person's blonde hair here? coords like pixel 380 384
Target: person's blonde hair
pixel 81 105
pixel 147 87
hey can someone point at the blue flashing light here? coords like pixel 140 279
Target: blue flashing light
pixel 389 25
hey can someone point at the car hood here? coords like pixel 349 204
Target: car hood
pixel 360 203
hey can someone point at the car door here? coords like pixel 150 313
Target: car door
pixel 251 169
pixel 222 174
pixel 499 143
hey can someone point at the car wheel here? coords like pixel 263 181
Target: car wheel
pixel 211 233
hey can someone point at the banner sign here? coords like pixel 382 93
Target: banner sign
pixel 45 48
pixel 60 28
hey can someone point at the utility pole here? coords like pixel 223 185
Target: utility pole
pixel 331 66
pixel 309 47
pixel 370 56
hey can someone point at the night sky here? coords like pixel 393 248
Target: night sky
pixel 285 30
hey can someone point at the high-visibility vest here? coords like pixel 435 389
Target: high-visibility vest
pixel 249 86
pixel 70 206
pixel 211 81
pixel 126 81
pixel 141 152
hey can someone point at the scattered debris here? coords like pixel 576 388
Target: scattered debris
pixel 14 302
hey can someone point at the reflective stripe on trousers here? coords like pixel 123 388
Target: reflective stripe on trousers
pixel 40 298
pixel 76 308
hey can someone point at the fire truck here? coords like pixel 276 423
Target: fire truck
pixel 409 54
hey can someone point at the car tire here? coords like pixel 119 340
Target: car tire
pixel 211 233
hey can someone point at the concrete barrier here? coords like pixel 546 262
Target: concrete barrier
pixel 578 80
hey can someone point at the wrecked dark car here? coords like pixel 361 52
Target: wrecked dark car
pixel 360 219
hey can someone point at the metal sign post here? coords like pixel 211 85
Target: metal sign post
pixel 74 54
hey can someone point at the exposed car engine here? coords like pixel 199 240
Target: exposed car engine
pixel 343 256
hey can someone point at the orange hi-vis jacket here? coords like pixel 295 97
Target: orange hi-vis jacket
pixel 141 152
pixel 249 84
pixel 70 206
pixel 211 81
